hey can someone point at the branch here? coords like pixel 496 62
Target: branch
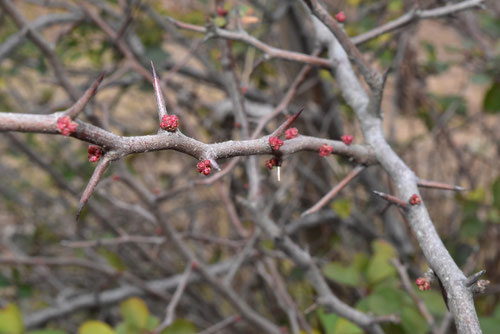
pixel 169 318
pixel 248 39
pixel 415 15
pixel 112 296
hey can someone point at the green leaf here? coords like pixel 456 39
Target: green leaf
pixel 342 207
pixel 135 312
pixel 47 331
pixel 220 21
pixel 454 102
pixel 95 327
pixel 180 326
pixel 383 301
pixel 413 322
pixel 11 321
pixel 327 320
pixel 434 302
pixel 495 189
pixel 491 101
pixel 344 326
pixel 379 267
pixel 489 325
pixel 340 273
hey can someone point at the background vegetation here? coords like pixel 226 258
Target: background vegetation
pixel 441 115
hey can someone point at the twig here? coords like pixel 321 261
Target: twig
pixel 216 328
pixel 245 37
pixel 113 242
pixel 409 288
pixel 170 314
pixel 325 199
pixel 111 296
pixel 414 15
pixel 241 257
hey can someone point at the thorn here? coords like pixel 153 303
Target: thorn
pixel 335 190
pixel 94 180
pixel 79 105
pixel 214 164
pixel 472 279
pixel 279 131
pixel 391 199
pixel 438 185
pixel 160 102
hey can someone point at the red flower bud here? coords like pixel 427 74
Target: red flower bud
pixel 347 139
pixel 415 200
pixel 169 122
pixel 66 126
pixel 94 152
pixel 271 163
pixel 325 150
pixel 291 133
pixel 340 17
pixel 423 284
pixel 221 11
pixel 275 143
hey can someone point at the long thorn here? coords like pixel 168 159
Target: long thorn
pixel 160 102
pixel 438 185
pixel 391 199
pixel 94 180
pixel 345 181
pixel 76 108
pixel 279 131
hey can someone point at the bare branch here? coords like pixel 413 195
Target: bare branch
pixel 415 15
pixel 170 315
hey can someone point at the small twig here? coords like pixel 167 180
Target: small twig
pixel 221 325
pixel 392 318
pixel 241 257
pixel 79 105
pixel 249 39
pixel 415 15
pixel 170 316
pixel 112 242
pixel 422 308
pixel 391 199
pixel 322 202
pixel 438 185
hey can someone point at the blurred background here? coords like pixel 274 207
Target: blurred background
pixel 441 115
